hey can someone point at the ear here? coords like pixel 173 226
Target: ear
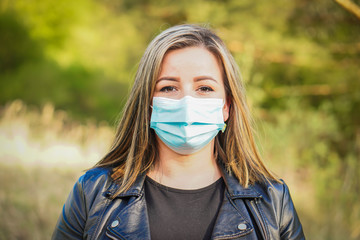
pixel 226 109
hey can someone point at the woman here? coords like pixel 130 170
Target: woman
pixel 183 164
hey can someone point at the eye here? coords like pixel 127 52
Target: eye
pixel 168 89
pixel 205 89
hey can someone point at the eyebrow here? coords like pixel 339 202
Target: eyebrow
pixel 168 79
pixel 202 78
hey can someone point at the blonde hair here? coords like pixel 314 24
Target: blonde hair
pixel 134 149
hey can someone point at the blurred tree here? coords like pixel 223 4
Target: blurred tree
pixel 17 46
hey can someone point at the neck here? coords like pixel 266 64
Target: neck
pixel 185 171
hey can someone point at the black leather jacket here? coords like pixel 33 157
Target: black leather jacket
pixel 89 212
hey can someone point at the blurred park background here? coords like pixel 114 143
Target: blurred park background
pixel 66 68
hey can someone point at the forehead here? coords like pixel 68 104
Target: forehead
pixel 195 59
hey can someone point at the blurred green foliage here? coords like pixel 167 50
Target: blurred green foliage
pixel 299 59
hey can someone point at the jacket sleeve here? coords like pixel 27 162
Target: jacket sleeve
pixel 72 219
pixel 290 226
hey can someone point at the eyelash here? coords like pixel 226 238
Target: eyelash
pixel 206 89
pixel 167 89
pixel 172 88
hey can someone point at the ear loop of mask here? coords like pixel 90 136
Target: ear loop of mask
pixel 224 128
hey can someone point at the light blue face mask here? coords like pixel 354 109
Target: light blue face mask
pixel 188 124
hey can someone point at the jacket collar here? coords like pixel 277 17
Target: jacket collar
pixel 232 184
pixel 134 191
pixel 235 189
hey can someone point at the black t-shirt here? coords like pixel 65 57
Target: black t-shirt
pixel 182 214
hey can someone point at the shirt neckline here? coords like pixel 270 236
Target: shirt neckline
pixel 184 191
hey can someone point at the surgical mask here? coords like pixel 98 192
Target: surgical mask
pixel 188 124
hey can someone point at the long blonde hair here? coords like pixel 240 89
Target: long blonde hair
pixel 134 149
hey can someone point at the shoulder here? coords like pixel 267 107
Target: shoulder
pixel 276 203
pixel 94 182
pixel 274 196
pixel 83 201
pixel 98 174
pixel 272 190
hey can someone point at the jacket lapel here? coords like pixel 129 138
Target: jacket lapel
pixel 233 220
pixel 230 223
pixel 132 221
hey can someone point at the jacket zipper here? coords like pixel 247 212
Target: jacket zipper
pixel 260 220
